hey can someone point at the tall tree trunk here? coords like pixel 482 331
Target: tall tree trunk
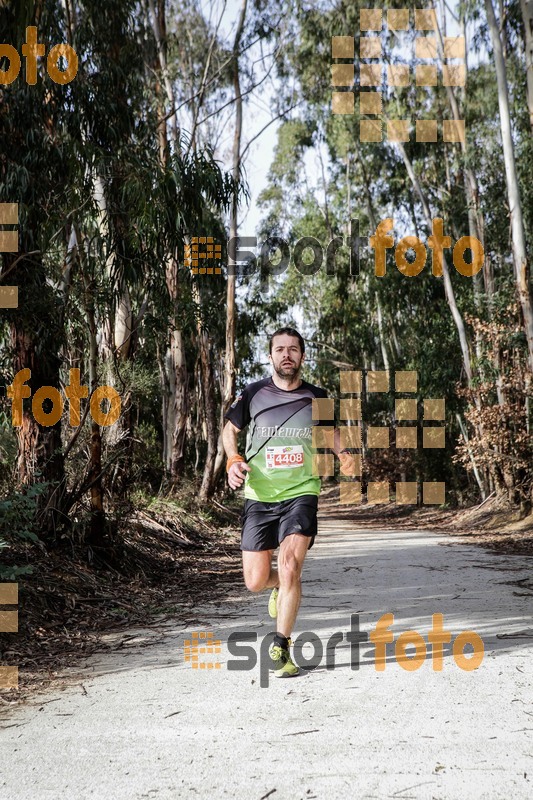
pixel 521 271
pixel 464 431
pixel 175 405
pixel 448 288
pixel 476 226
pixel 526 6
pixel 116 336
pixel 208 385
pixel 173 367
pixel 208 402
pixel 40 452
pixel 476 229
pixel 366 277
pixel 382 342
pixel 35 345
pixel 39 446
pixel 97 533
pixel 159 28
pixel 229 361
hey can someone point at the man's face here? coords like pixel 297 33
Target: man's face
pixel 286 356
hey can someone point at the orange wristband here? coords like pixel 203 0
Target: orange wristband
pixel 233 460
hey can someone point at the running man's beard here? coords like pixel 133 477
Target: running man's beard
pixel 287 372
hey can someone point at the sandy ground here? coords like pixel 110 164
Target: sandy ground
pixel 141 723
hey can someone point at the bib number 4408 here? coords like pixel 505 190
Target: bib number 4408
pixel 283 457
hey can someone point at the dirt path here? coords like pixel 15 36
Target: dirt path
pixel 141 723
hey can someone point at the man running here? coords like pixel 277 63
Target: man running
pixel 279 486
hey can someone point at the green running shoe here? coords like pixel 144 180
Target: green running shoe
pixel 281 662
pixel 273 603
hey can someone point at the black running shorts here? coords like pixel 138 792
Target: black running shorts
pixel 265 525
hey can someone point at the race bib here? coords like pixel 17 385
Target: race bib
pixel 285 457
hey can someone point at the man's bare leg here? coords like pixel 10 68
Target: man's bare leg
pixel 291 557
pixel 258 571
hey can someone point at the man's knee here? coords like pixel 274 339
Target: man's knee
pixel 290 570
pixel 255 582
pixel 291 559
pixel 256 569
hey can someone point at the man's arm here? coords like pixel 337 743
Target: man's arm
pixel 229 439
pixel 237 465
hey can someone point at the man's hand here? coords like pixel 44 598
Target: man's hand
pixel 237 473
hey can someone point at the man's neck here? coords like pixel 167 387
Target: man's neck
pixel 287 384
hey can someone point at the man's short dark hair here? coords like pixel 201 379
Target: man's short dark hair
pixel 287 332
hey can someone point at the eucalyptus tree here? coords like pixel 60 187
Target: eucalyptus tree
pixel 526 8
pixel 518 234
pixel 37 172
pixel 100 212
pixel 414 182
pixel 206 76
pixel 192 72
